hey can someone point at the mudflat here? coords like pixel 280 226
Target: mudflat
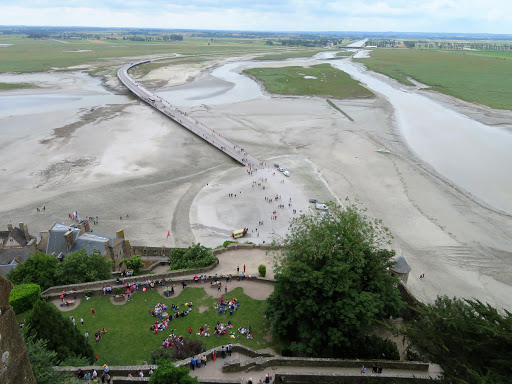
pixel 113 157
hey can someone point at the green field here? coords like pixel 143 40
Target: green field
pixel 329 82
pixel 478 77
pixel 344 53
pixel 9 86
pixel 290 55
pixel 30 55
pixel 129 341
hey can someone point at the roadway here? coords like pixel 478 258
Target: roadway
pixel 209 135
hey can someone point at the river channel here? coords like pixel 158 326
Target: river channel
pixel 471 155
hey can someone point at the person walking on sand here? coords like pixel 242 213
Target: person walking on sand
pixel 244 267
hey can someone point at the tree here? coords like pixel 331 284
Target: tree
pixel 40 269
pixel 470 340
pixel 23 297
pixel 167 373
pixel 80 267
pixel 43 360
pixel 135 263
pixel 195 256
pixel 332 282
pixel 47 323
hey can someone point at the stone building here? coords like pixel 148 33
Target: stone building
pixel 62 239
pixel 401 269
pixel 16 245
pixel 14 363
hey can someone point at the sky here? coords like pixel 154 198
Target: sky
pixel 464 16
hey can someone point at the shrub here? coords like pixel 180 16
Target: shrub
pixel 135 263
pixel 160 353
pixel 227 242
pixel 24 296
pixel 187 349
pixel 119 291
pixel 88 292
pixel 262 270
pixel 195 256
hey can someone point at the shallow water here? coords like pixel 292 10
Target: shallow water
pixel 473 155
pixel 78 91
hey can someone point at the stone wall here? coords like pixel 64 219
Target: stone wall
pixel 260 363
pixel 98 285
pixel 291 378
pixel 15 367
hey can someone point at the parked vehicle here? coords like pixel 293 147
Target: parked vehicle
pixel 286 173
pixel 280 169
pixel 276 165
pixel 239 233
pixel 313 200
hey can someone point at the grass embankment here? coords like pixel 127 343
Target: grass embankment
pixel 328 81
pixel 344 53
pixel 27 55
pixel 289 55
pixel 129 341
pixel 9 86
pixel 484 78
pixel 339 109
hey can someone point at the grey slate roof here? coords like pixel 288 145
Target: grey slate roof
pixel 18 235
pixel 56 241
pixel 4 235
pixel 91 241
pixel 400 265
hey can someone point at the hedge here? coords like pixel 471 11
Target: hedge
pixel 23 297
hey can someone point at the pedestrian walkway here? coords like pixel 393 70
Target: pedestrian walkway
pixel 211 136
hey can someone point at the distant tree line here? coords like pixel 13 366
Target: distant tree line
pixel 445 45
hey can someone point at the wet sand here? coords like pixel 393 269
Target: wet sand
pixel 130 159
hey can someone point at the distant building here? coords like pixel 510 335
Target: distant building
pixel 62 239
pixel 16 245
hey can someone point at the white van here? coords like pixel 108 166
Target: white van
pixel 286 173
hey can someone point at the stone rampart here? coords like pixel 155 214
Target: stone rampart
pixel 15 366
pixel 347 378
pixel 260 363
pixel 98 285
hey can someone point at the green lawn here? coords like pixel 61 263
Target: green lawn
pixel 26 55
pixel 129 341
pixel 290 55
pixel 484 78
pixel 9 86
pixel 344 53
pixel 329 82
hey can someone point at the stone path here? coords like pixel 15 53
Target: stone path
pixel 213 370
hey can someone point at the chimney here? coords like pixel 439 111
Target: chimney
pixel 25 231
pixel 69 239
pixel 9 227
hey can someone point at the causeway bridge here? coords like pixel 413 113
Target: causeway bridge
pixel 207 134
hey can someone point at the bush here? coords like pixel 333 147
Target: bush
pixel 24 296
pixel 167 373
pixel 227 242
pixel 135 263
pixel 262 270
pixel 160 353
pixel 373 347
pixel 119 291
pixel 187 349
pixel 88 292
pixel 195 256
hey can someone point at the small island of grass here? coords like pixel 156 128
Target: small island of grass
pixel 318 80
pixel 10 86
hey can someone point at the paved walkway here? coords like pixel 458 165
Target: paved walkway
pixel 214 138
pixel 213 370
